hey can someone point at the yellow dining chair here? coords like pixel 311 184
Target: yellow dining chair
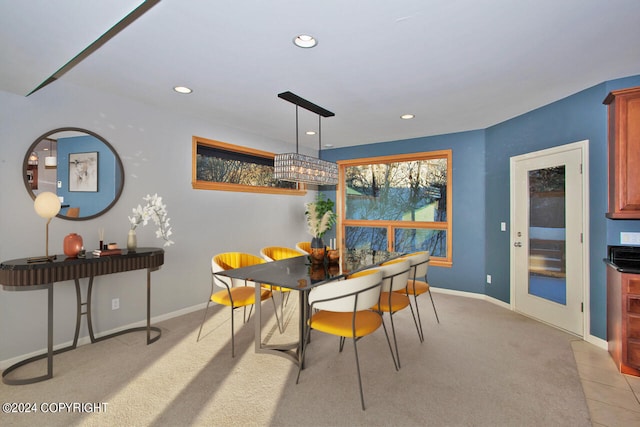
pixel 235 293
pixel 419 265
pixel 276 253
pixel 304 247
pixel 344 310
pixel 73 213
pixel 395 274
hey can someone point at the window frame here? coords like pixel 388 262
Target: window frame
pixel 224 186
pixel 392 225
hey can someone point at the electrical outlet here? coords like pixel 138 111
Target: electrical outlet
pixel 115 303
pixel 627 238
pixel 488 278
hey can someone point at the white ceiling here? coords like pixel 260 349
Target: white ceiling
pixel 456 64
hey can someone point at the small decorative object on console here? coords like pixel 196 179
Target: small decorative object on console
pixel 132 240
pixel 107 252
pixel 72 244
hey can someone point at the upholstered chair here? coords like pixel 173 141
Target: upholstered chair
pixel 419 265
pixel 343 308
pixel 233 293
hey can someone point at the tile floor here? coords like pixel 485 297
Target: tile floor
pixel 613 398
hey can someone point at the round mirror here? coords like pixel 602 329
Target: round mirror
pixel 82 168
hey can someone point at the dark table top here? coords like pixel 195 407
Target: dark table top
pixel 299 273
pixel 62 260
pixel 21 273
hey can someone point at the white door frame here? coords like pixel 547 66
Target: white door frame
pixel 584 147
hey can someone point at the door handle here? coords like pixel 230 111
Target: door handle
pixel 517 244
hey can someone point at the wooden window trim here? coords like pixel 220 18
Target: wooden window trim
pixel 221 186
pixel 448 225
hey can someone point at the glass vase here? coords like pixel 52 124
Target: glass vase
pixel 317 250
pixel 132 241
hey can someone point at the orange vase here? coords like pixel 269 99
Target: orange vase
pixel 72 244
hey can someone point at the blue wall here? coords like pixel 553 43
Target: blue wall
pixel 467 273
pixel 481 161
pixel 576 118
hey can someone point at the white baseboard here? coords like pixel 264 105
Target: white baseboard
pixel 471 295
pixel 4 364
pixel 598 342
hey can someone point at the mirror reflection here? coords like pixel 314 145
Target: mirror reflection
pixel 81 167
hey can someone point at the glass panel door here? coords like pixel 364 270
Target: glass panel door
pixel 548 252
pixel 547 234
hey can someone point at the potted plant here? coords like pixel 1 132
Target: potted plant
pixel 320 218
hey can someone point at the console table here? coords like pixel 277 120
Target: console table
pixel 22 275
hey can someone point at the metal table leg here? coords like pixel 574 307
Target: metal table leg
pixel 147 328
pixel 49 354
pixel 288 351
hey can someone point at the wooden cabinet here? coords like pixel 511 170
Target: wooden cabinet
pixel 624 153
pixel 623 320
pixel 32 176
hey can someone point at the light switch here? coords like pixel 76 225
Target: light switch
pixel 59 184
pixel 503 226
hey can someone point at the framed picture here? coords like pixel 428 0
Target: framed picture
pixel 83 171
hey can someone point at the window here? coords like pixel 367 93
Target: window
pixel 222 166
pixel 399 203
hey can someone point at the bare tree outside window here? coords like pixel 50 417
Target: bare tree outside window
pixel 223 166
pixel 398 205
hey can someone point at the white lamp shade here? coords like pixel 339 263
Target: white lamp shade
pixel 47 204
pixel 51 161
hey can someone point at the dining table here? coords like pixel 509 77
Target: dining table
pixel 301 274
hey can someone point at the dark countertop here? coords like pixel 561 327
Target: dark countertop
pixel 624 267
pixel 625 259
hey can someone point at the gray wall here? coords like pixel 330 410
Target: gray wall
pixel 155 147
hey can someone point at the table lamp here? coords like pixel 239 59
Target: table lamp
pixel 47 205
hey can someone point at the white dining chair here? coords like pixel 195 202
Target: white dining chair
pixel 344 310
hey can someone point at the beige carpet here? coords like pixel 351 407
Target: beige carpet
pixel 482 366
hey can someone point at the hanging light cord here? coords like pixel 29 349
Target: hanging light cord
pixel 297 129
pixel 319 135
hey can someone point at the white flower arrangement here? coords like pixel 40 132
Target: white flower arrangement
pixel 154 210
pixel 320 216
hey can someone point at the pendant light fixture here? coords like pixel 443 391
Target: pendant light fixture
pixel 33 159
pixel 297 167
pixel 51 161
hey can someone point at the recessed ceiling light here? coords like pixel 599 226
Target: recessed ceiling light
pixel 311 132
pixel 328 145
pixel 407 116
pixel 182 89
pixel 305 41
